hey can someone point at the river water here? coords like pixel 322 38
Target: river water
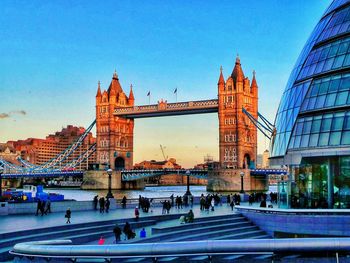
pixel 149 191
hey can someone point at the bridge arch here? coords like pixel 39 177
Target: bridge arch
pixel 119 163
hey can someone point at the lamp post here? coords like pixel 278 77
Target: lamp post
pixel 1 172
pixel 109 195
pixel 242 176
pixel 188 193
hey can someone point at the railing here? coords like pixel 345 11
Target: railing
pixel 63 249
pixel 132 175
pixel 168 106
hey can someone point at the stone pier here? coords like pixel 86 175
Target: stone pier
pixel 230 180
pixel 98 180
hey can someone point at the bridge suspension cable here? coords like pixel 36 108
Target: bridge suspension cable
pixel 82 157
pixel 66 153
pixel 264 126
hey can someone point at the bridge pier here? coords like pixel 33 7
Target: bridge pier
pixel 98 180
pixel 229 180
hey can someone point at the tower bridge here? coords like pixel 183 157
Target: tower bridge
pixel 116 113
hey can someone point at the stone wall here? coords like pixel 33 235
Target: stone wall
pixel 98 180
pixel 30 208
pixel 313 222
pixel 230 180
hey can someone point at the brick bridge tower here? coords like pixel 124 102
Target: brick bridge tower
pixel 115 134
pixel 237 135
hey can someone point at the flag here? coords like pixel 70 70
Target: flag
pixel 175 91
pixel 149 93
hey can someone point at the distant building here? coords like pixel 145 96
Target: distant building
pixel 8 153
pixel 40 151
pixel 265 159
pixel 259 161
pixel 169 179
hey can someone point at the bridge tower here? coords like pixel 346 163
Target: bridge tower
pixel 237 135
pixel 115 135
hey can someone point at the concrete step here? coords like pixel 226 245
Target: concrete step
pixel 216 221
pixel 206 229
pixel 66 232
pixel 81 235
pixel 239 233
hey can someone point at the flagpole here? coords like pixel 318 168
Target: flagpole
pixel 175 91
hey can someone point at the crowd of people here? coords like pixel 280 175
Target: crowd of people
pixel 44 207
pixel 104 204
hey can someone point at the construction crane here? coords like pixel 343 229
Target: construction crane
pixel 165 157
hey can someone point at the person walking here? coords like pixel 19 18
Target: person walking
pixel 117 233
pixel 95 201
pixel 68 215
pixel 143 233
pixel 102 204
pixel 48 206
pixel 38 207
pixel 137 213
pixel 124 202
pixel 108 203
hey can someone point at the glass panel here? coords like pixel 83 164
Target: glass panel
pixel 330 100
pixel 316 124
pixel 334 85
pixel 320 101
pixel 337 124
pixel 335 138
pixel 326 124
pixel 323 141
pixel 304 140
pixel 313 140
pixel 345 137
pixel 341 98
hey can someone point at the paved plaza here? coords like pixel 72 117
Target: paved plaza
pixel 25 222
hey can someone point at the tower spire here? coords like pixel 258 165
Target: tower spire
pixel 237 73
pixel 221 78
pixel 131 94
pixel 254 84
pixel 98 90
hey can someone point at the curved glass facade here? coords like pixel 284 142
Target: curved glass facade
pixel 318 88
pixel 313 119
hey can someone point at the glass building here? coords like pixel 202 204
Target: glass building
pixel 313 120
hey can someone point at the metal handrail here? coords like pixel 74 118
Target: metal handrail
pixel 64 248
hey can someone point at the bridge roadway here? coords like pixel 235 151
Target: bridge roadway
pixel 131 175
pixel 168 109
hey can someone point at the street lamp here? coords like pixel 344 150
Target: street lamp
pixel 188 193
pixel 109 195
pixel 1 172
pixel 242 176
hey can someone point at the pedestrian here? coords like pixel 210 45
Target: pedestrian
pixel 232 204
pixel 124 202
pixel 129 234
pixel 48 206
pixel 108 203
pixel 101 241
pixel 212 204
pixel 151 204
pixel 38 207
pixel 143 233
pixel 68 215
pixel 117 233
pixel 102 204
pixel 95 201
pixel 42 207
pixel 137 213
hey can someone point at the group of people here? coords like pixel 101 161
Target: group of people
pixel 104 203
pixel 166 205
pixel 209 202
pixel 43 207
pixel 145 203
pixel 128 232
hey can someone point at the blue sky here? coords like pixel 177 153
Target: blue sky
pixel 54 52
